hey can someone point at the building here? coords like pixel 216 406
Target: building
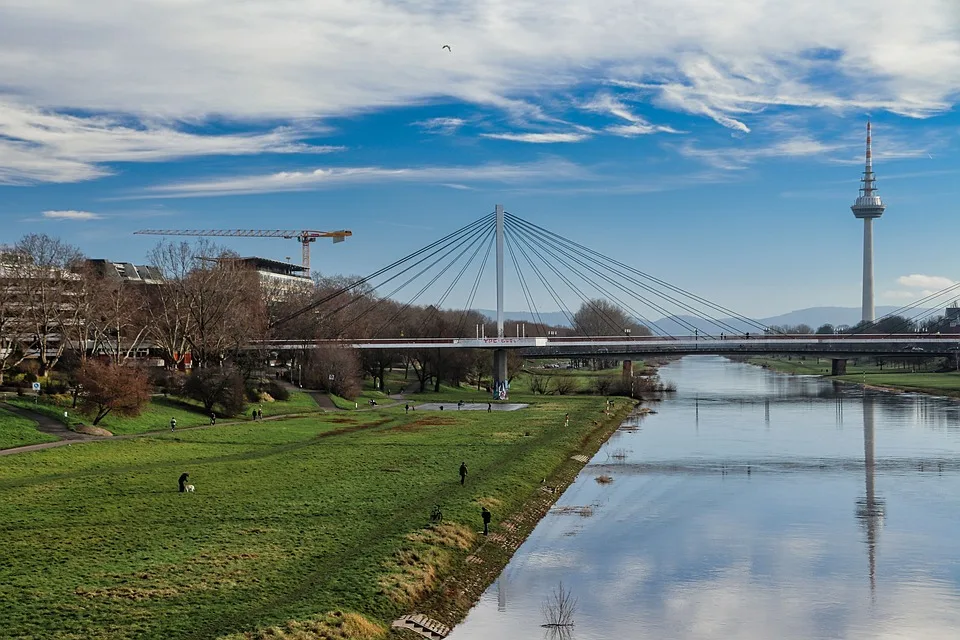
pixel 278 279
pixel 126 271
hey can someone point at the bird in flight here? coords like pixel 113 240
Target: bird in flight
pixel 447 47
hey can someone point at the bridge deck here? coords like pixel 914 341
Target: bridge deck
pixel 908 345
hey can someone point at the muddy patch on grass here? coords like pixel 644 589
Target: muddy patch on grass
pixel 420 423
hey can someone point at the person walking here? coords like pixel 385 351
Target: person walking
pixel 253 414
pixel 566 419
pixel 260 415
pixel 489 407
pixel 213 418
pixel 463 473
pixel 173 424
pixel 183 481
pixel 406 408
pixel 486 515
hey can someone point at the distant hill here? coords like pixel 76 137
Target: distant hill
pixel 677 325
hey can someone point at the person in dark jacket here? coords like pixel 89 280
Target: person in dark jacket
pixel 183 481
pixel 486 515
pixel 463 472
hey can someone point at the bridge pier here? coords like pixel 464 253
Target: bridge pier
pixel 500 373
pixel 838 367
pixel 627 369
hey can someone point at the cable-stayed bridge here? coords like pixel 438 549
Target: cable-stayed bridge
pixel 609 291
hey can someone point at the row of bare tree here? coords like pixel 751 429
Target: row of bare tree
pixel 54 304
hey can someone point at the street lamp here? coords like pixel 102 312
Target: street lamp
pixel 627 332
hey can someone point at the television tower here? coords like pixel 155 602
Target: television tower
pixel 868 207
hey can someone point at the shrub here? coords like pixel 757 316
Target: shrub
pixel 564 385
pixel 217 386
pixel 603 384
pixel 539 384
pixel 277 391
pixel 111 388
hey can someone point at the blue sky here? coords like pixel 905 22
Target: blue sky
pixel 720 150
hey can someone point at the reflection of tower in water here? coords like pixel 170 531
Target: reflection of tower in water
pixel 870 508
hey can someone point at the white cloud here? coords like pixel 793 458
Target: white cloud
pixel 538 138
pixel 920 281
pixel 71 215
pixel 38 146
pixel 444 126
pixel 299 58
pixel 550 170
pixel 732 158
pixel 606 103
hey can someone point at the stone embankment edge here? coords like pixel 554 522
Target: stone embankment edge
pixel 463 585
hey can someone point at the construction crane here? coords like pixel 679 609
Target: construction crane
pixel 304 237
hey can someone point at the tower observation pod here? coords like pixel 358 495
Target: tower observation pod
pixel 868 207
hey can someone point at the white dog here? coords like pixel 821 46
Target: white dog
pixel 189 488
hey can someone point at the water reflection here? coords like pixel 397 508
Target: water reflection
pixel 729 517
pixel 870 508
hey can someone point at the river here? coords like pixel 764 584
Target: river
pixel 752 505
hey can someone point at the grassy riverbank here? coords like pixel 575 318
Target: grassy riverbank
pixel 321 520
pixel 936 383
pixel 17 432
pixel 157 413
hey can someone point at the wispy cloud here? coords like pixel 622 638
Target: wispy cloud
pixel 638 126
pixel 736 158
pixel 918 286
pixel 543 171
pixel 538 138
pixel 443 126
pixel 71 215
pixel 38 146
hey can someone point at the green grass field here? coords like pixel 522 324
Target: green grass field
pixel 17 432
pixel 156 415
pixel 292 519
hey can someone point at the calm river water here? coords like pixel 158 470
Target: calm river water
pixel 753 505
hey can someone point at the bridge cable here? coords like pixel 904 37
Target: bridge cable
pixel 667 285
pixel 453 244
pixel 586 299
pixel 637 315
pixel 553 294
pixel 913 305
pixel 313 305
pixel 435 309
pixel 524 287
pixel 699 314
pixel 652 326
pixel 690 327
pixel 476 284
pixel 473 239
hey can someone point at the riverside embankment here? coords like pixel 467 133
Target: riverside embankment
pixel 317 523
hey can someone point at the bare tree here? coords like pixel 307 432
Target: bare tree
pixel 603 318
pixel 13 334
pixel 49 306
pixel 559 608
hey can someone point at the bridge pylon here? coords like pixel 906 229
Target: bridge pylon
pixel 499 355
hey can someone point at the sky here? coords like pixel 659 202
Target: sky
pixel 717 146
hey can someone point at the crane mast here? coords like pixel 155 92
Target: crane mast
pixel 303 236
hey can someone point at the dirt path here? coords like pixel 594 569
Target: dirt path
pixel 67 437
pixel 49 426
